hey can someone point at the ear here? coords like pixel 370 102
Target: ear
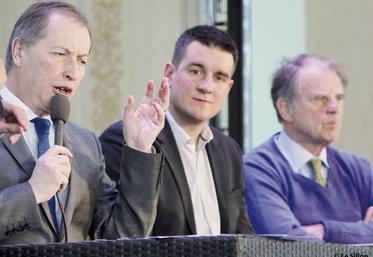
pixel 231 82
pixel 284 109
pixel 18 46
pixel 169 70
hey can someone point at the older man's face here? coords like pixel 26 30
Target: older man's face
pixel 316 116
pixel 54 64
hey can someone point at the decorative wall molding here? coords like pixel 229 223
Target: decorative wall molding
pixel 106 62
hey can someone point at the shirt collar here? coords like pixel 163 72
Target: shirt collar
pixel 296 154
pixel 182 138
pixel 8 96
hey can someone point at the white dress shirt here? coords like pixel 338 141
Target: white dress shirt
pixel 199 176
pixel 298 157
pixel 30 135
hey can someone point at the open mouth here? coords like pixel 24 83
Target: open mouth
pixel 63 90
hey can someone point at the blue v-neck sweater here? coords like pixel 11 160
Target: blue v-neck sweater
pixel 279 201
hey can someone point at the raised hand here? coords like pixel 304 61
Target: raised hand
pixel 13 120
pixel 142 126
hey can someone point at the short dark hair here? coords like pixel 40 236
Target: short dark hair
pixel 32 22
pixel 206 35
pixel 286 81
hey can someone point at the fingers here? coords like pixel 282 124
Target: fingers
pixel 148 97
pixel 369 215
pixel 163 96
pixel 20 116
pixel 15 121
pixel 13 138
pixel 160 113
pixel 129 108
pixel 14 130
pixel 57 150
pixel 51 173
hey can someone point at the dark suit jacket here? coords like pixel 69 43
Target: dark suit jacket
pixel 175 210
pixel 93 206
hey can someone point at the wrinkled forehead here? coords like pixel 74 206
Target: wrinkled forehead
pixel 319 79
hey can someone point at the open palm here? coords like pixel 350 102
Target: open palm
pixel 142 126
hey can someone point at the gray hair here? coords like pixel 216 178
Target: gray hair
pixel 285 83
pixel 31 24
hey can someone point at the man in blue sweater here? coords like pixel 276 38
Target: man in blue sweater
pixel 296 183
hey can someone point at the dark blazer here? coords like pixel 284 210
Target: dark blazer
pixel 93 206
pixel 175 210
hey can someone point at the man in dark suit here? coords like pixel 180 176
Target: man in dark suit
pixel 202 178
pixel 51 193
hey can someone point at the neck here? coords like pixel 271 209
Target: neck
pixel 193 130
pixel 306 142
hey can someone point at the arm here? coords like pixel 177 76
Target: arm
pixel 130 211
pixel 270 212
pixel 267 204
pixel 359 231
pixel 134 211
pixel 243 223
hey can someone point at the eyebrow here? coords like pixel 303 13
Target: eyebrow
pixel 201 66
pixel 70 52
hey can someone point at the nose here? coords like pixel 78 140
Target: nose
pixel 333 105
pixel 205 85
pixel 71 70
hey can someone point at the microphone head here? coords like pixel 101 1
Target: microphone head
pixel 59 108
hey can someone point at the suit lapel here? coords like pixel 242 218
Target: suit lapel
pixel 217 159
pixel 21 152
pixel 167 143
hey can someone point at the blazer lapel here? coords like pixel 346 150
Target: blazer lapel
pixel 21 152
pixel 167 143
pixel 216 158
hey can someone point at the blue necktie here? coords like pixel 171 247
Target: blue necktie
pixel 42 129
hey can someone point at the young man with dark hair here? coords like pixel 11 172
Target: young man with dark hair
pixel 202 177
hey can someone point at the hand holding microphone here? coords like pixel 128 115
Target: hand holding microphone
pixel 52 170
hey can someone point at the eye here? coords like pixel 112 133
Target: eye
pixel 221 77
pixel 59 54
pixel 195 71
pixel 83 62
pixel 340 97
pixel 324 100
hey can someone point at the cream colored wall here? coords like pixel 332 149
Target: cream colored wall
pixel 341 29
pixel 132 41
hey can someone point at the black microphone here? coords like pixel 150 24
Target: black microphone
pixel 59 110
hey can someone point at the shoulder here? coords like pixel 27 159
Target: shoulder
pixel 82 139
pixel 113 133
pixel 225 142
pixel 347 160
pixel 265 152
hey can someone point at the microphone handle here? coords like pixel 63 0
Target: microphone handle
pixel 58 132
